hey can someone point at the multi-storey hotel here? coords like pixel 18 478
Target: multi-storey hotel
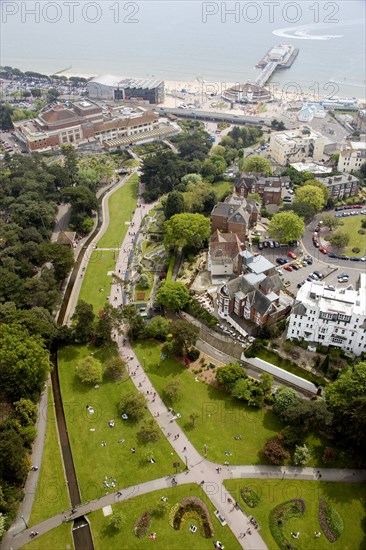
pixel 330 316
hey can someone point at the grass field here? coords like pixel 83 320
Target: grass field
pixel 93 461
pixel 220 417
pixel 121 204
pixel 218 413
pixel 59 538
pixel 351 225
pixel 166 536
pixel 51 493
pixel 348 499
pixel 96 277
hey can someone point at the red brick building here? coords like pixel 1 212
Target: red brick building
pixel 235 216
pixel 268 187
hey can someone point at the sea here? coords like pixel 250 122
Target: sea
pixel 191 40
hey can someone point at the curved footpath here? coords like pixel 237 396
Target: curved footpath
pixel 199 469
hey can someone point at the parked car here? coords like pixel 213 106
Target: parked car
pixel 316 244
pixel 293 243
pixel 342 257
pixel 281 261
pixel 304 263
pixel 265 244
pixel 295 267
pixel 314 277
pixel 338 208
pixel 343 279
pixel 291 255
pixel 288 268
pixel 260 246
pixel 323 250
pixel 332 255
pixel 309 260
pixel 318 274
pixel 299 285
pixel 317 229
pixel 276 244
pixel 271 244
pixel 355 259
pixel 330 287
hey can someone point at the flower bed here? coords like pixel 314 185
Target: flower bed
pixel 143 525
pixel 330 521
pixel 280 515
pixel 250 497
pixel 192 508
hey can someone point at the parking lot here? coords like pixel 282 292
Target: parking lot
pixel 330 271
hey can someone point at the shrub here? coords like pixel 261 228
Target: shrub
pixel 361 231
pixel 250 497
pixel 329 455
pixel 279 516
pixel 275 452
pixel 193 354
pixel 330 521
pixel 355 250
pixel 142 525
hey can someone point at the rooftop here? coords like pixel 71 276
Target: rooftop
pixel 342 300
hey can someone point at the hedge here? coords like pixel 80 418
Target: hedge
pixel 250 497
pixel 191 507
pixel 143 525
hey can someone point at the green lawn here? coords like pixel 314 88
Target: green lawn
pixel 166 536
pixel 348 499
pixel 218 413
pixel 94 462
pixel 59 538
pixel 220 416
pixel 351 225
pixel 222 188
pixel 96 277
pixel 51 494
pixel 121 205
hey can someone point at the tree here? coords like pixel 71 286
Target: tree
pixel 109 321
pixel 134 320
pixel 301 455
pixel 115 367
pixel 184 336
pixel 193 417
pixel 284 397
pixel 187 229
pixel 172 295
pixel 52 94
pixel 275 452
pixel 255 197
pixel 87 225
pixel 143 282
pixel 339 239
pixel 116 520
pixel 25 412
pixel 286 226
pixel 2 525
pixel 311 195
pixel 172 391
pixel 133 404
pixel 83 322
pixel 157 328
pixel 149 431
pixel 302 209
pixel 320 185
pixel 257 165
pixel 228 375
pixel 24 363
pixel 214 166
pixel 174 204
pixel 330 221
pixel 266 382
pixel 59 255
pixel 90 370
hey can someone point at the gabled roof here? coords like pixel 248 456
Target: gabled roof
pixel 260 302
pixel 298 308
pixel 272 282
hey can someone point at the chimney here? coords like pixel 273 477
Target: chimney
pixel 349 178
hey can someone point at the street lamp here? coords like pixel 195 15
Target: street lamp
pixel 25 523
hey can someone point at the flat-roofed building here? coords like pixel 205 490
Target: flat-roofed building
pixel 107 86
pixel 296 145
pixel 343 185
pixel 83 121
pixel 352 156
pixel 330 316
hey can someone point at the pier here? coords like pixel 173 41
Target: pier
pixel 281 56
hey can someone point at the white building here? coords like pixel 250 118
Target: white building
pixel 352 156
pixel 309 111
pixel 329 317
pixel 112 87
pixel 296 145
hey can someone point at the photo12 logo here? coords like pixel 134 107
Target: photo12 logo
pixel 271 12
pixel 70 11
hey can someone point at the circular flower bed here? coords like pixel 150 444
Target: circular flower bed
pixel 250 497
pixel 280 515
pixel 191 508
pixel 330 521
